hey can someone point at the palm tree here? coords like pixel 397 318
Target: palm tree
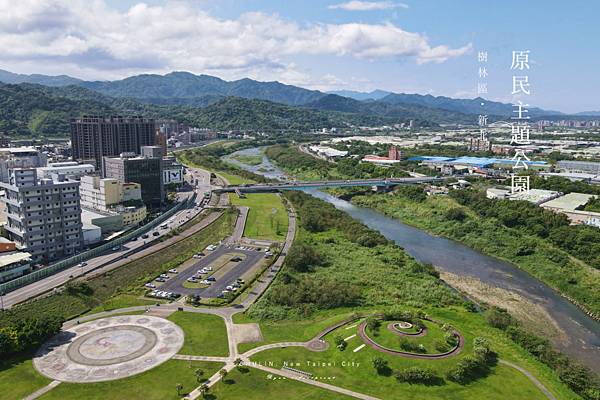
pixel 238 363
pixel 223 374
pixel 204 389
pixel 179 387
pixel 198 373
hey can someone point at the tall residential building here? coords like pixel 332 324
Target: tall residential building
pixel 44 216
pixel 94 137
pixel 143 170
pixel 4 140
pixel 161 140
pixel 396 154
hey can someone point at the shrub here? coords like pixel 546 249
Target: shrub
pixel 440 346
pixel 339 341
pixel 450 338
pixel 373 325
pixel 415 374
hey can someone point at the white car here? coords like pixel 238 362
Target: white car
pixel 229 288
pixel 205 282
pixel 173 271
pixel 196 256
pixel 151 285
pixel 170 221
pixel 116 248
pixel 267 249
pixel 208 268
pixel 192 280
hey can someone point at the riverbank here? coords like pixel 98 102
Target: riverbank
pixel 572 280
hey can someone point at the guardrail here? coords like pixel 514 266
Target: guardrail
pixel 4 287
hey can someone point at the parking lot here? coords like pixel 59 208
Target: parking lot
pixel 175 283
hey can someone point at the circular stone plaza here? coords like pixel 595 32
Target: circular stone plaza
pixel 109 348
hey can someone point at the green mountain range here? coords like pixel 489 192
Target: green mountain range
pixel 334 102
pixel 36 110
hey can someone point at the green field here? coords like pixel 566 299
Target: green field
pixel 254 384
pixel 267 218
pixel 123 301
pixel 18 378
pixel 156 384
pixel 389 339
pixel 207 333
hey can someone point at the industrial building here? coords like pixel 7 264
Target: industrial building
pixel 569 204
pixel 585 167
pixel 70 169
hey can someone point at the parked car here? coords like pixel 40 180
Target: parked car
pixel 236 259
pixel 202 271
pixel 267 248
pixel 197 276
pixel 208 268
pixel 173 271
pixel 152 285
pixel 211 278
pixel 229 288
pixel 205 282
pixel 196 256
pixel 192 280
pixel 159 280
pixel 164 276
pixel 241 281
pixel 237 285
pixel 201 253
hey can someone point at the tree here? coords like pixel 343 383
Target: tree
pixel 179 386
pixel 238 363
pixel 340 343
pixel 198 373
pixel 373 324
pixel 204 389
pixel 379 363
pixel 223 373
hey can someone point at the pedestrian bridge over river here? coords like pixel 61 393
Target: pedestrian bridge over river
pixel 380 182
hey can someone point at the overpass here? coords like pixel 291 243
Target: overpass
pixel 382 182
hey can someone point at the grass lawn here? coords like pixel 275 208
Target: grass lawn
pixel 246 159
pixel 266 214
pixel 18 378
pixel 207 333
pixel 122 301
pixel 389 339
pixel 288 331
pixel 233 180
pixel 255 385
pixel 156 384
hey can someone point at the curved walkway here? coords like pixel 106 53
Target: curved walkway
pixel 391 327
pixel 531 377
pixel 454 352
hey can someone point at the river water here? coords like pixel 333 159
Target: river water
pixel 583 332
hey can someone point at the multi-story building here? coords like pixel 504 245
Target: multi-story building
pixel 96 136
pixel 103 194
pixel 161 140
pixel 396 154
pixel 69 169
pixel 4 140
pixel 44 216
pixel 479 145
pixel 14 264
pixel 172 171
pixel 147 171
pixel 20 157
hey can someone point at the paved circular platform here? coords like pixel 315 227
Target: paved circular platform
pixel 109 348
pixel 317 345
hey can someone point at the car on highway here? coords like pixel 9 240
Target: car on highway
pixel 156 234
pixel 192 280
pixel 144 236
pixel 173 271
pixel 133 239
pixel 211 278
pixel 151 285
pixel 159 279
pixel 164 276
pixel 116 248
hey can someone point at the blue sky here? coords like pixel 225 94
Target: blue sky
pixel 426 47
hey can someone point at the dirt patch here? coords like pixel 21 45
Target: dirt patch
pixel 533 316
pixel 247 333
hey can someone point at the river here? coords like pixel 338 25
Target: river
pixel 583 332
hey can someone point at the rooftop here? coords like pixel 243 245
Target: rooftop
pixel 13 258
pixel 569 202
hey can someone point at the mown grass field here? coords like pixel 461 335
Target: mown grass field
pixel 207 333
pixel 18 378
pixel 267 218
pixel 155 384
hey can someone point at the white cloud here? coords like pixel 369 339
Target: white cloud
pixel 89 40
pixel 356 5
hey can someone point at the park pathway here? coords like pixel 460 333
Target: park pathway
pixel 531 377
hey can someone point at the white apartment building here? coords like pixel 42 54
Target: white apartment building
pixel 44 216
pixel 76 171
